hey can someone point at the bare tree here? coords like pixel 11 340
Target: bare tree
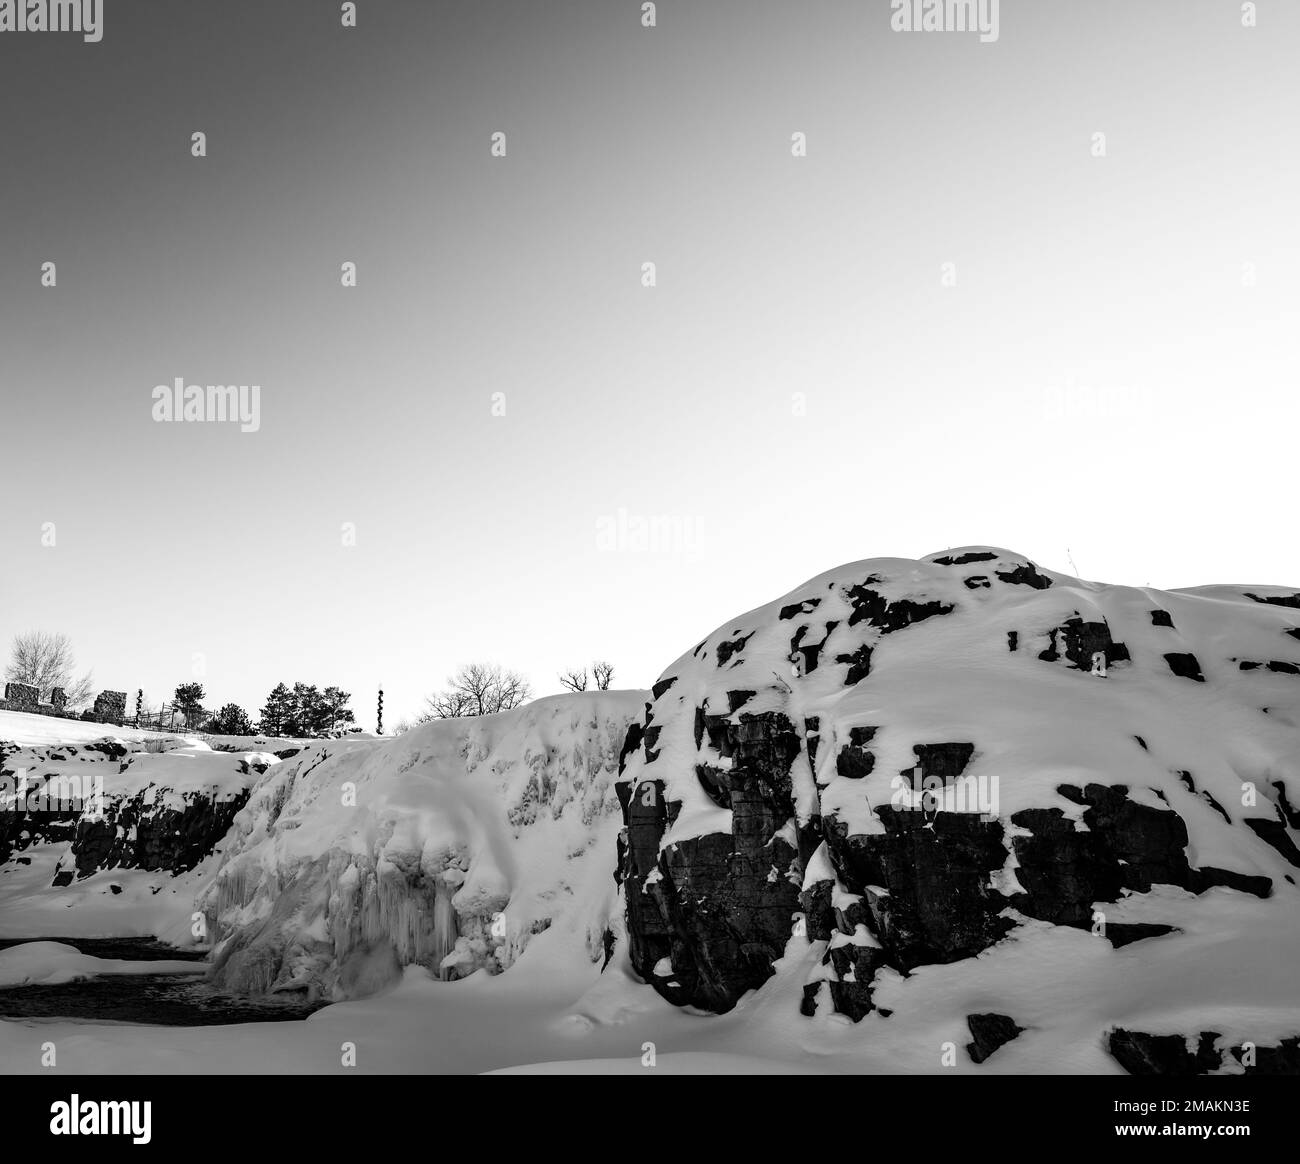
pixel 446 705
pixel 45 660
pixel 478 689
pixel 574 680
pixel 604 673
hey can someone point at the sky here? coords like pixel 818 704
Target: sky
pixel 960 318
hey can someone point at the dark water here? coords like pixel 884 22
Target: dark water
pixel 126 949
pixel 172 1000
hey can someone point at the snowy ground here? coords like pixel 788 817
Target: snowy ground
pixel 553 1011
pixel 21 728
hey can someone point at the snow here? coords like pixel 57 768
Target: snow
pixel 1035 725
pixel 555 1011
pixel 483 851
pixel 50 963
pixel 457 842
pixel 22 728
pixel 118 902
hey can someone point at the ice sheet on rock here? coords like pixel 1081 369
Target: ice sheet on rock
pixel 452 845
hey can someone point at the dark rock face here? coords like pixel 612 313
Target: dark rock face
pixel 143 831
pixel 1161 618
pixel 936 904
pixel 989 1032
pixel 1128 846
pixel 732 647
pixel 873 608
pixel 21 830
pixel 963 559
pixel 947 761
pixel 1291 600
pixel 135 834
pixel 1078 641
pixel 1185 666
pixel 807 606
pixel 1274 833
pixel 1025 575
pixel 1125 933
pixel 1283 1059
pixel 662 686
pixel 717 907
pixel 1145 1054
pixel 859 664
pixel 1142 1054
pixel 1276 665
pixel 808 653
pixel 855 760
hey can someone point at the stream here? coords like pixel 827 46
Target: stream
pixel 173 1000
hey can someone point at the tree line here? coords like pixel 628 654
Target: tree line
pixel 46 661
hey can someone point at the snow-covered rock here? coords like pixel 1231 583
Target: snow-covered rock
pixel 907 763
pixel 449 846
pixel 96 839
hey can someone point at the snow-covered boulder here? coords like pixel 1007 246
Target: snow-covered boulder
pixel 449 846
pixel 907 763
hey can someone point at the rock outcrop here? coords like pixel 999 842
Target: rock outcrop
pixel 119 810
pixel 905 763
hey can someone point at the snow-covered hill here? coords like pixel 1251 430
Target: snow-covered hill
pixel 922 763
pixel 28 730
pixel 450 846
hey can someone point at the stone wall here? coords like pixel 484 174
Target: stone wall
pixel 20 695
pixel 109 707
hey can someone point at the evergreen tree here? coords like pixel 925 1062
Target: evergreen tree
pixel 278 712
pixel 188 699
pixel 231 720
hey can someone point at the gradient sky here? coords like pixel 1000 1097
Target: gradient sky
pixel 1102 389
